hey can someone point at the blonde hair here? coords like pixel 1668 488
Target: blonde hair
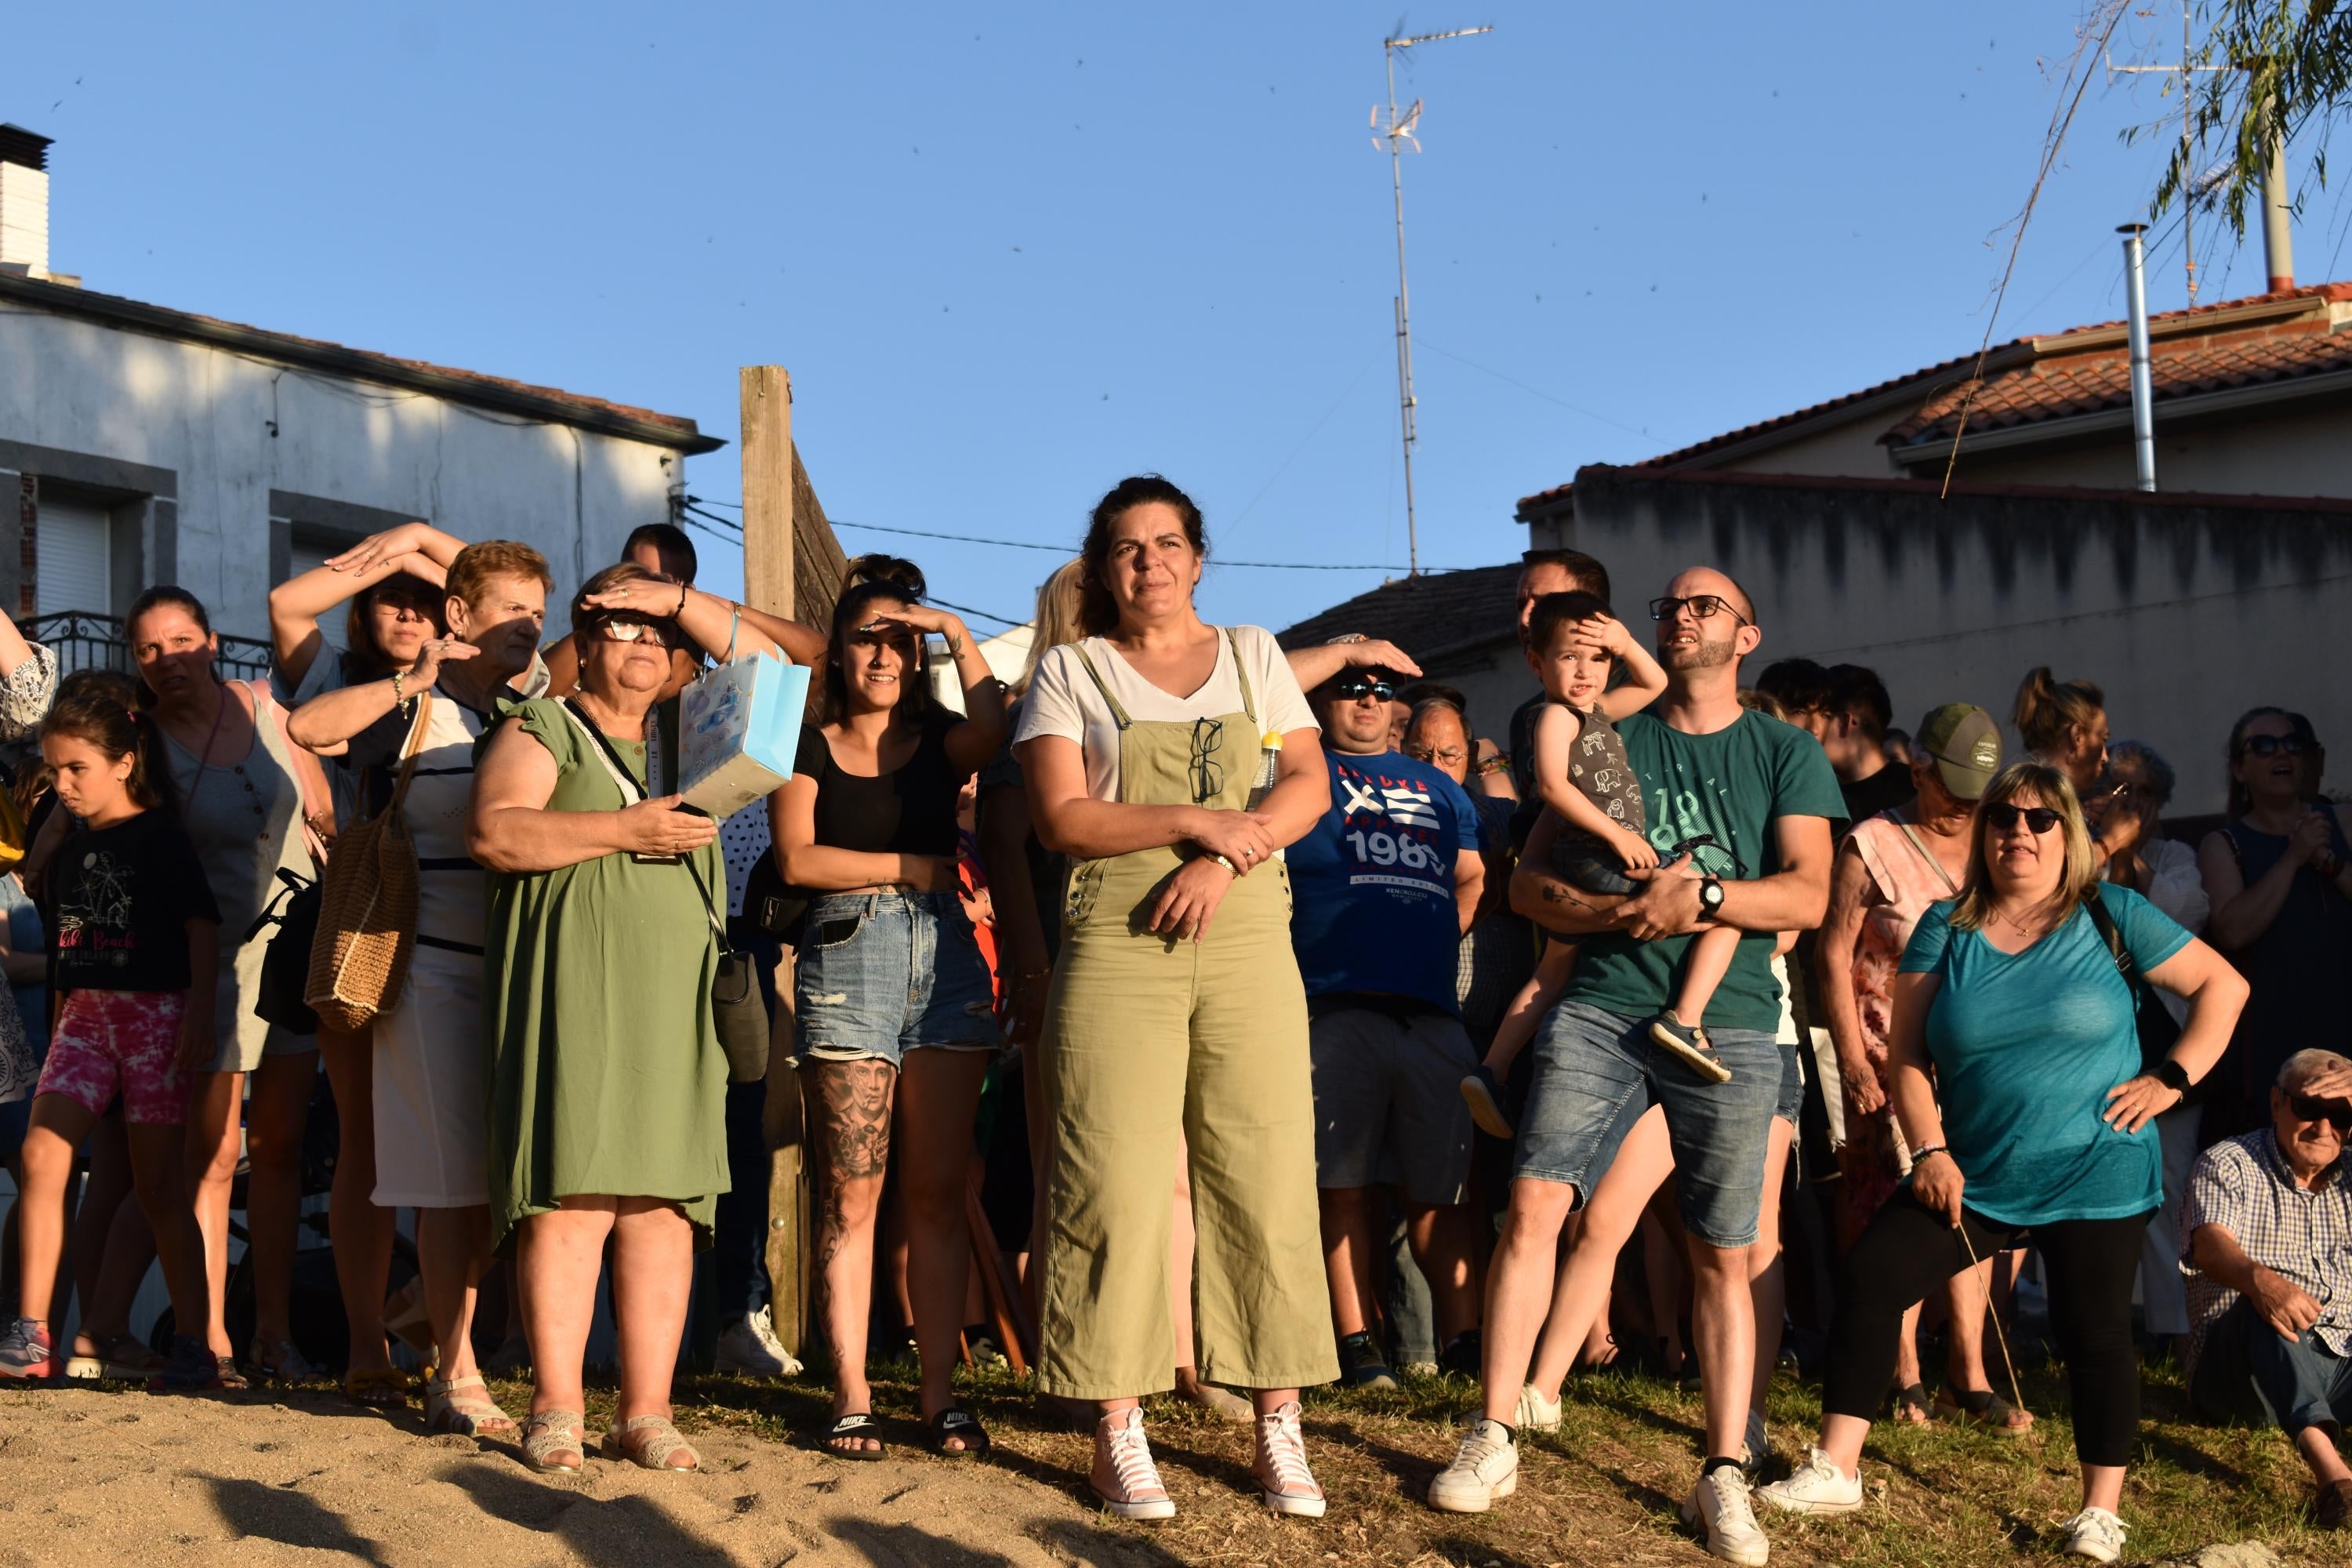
pixel 1061 609
pixel 2049 711
pixel 2052 788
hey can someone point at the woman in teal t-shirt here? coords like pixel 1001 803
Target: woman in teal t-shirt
pixel 2012 996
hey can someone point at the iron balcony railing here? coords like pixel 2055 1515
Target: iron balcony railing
pixel 83 639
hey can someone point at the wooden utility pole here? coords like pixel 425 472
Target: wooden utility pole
pixel 767 393
pixel 767 398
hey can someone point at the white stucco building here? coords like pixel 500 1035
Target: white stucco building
pixel 141 445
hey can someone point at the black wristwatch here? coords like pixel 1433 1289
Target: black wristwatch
pixel 1710 895
pixel 2170 1074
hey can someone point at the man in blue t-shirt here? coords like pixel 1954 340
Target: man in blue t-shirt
pixel 1382 889
pixel 1739 808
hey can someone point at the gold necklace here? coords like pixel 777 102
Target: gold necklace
pixel 2019 926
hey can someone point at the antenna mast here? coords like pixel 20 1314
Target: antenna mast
pixel 1398 129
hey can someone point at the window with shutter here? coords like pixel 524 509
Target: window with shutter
pixel 73 558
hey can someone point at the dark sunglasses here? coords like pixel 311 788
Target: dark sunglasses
pixel 2040 820
pixel 2311 1108
pixel 1205 766
pixel 1356 685
pixel 2272 746
pixel 1703 606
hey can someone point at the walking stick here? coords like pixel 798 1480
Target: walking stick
pixel 2015 1391
pixel 1003 1295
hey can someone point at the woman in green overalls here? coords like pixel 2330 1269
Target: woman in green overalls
pixel 1170 761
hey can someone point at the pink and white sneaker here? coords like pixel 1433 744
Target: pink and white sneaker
pixel 1124 1475
pixel 1283 1478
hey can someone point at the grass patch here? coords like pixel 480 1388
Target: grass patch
pixel 1605 1488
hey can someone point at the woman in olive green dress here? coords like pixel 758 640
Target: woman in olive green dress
pixel 607 1085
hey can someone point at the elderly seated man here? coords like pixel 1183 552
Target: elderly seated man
pixel 2269 1226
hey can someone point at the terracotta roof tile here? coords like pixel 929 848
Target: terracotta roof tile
pixel 1942 384
pixel 2088 382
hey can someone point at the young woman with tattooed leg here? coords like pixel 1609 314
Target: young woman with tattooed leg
pixel 891 993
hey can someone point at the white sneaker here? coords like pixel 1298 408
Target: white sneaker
pixel 750 1348
pixel 1756 1447
pixel 1485 1468
pixel 2094 1533
pixel 1816 1485
pixel 1719 1502
pixel 1534 1412
pixel 1283 1478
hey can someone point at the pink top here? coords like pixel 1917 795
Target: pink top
pixel 1908 879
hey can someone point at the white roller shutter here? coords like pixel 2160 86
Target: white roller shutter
pixel 73 559
pixel 335 625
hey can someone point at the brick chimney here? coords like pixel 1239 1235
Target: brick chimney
pixel 24 202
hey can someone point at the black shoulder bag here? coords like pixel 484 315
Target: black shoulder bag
pixel 2158 1033
pixel 737 1008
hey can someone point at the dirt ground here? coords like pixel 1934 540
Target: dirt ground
pixel 107 1477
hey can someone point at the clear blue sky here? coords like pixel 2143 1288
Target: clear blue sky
pixel 1012 252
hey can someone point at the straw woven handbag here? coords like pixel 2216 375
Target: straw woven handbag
pixel 367 912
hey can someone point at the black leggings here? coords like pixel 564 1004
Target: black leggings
pixel 1909 1251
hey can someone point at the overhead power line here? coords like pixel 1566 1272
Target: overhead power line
pixel 1064 550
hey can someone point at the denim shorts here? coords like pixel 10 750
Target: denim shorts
pixel 1596 1072
pixel 1793 1085
pixel 884 974
pixel 1582 861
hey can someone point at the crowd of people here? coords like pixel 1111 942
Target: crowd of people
pixel 1270 1021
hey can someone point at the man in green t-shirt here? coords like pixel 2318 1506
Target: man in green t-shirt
pixel 1739 807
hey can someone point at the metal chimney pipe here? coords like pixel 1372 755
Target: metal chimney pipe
pixel 2143 385
pixel 2278 236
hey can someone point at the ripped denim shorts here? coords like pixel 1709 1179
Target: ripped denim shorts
pixel 884 974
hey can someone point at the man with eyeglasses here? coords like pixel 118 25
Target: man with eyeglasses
pixel 2269 1222
pixel 1739 807
pixel 1382 889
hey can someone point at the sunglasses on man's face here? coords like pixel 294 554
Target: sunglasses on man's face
pixel 1361 685
pixel 1703 606
pixel 2272 746
pixel 2038 819
pixel 2337 1113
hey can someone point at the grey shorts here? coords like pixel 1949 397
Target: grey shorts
pixel 1388 1109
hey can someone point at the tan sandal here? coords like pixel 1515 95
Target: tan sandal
pixel 548 1434
pixel 660 1444
pixel 462 1406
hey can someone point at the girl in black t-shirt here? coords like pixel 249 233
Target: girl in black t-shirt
pixel 896 1017
pixel 137 941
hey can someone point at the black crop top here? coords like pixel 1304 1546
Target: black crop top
pixel 909 811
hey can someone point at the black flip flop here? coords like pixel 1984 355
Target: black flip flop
pixel 961 1426
pixel 858 1423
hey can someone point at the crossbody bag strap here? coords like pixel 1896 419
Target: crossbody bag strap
pixel 409 753
pixel 1921 846
pixel 2096 907
pixel 633 793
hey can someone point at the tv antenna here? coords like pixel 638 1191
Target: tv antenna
pixel 1401 130
pixel 2193 183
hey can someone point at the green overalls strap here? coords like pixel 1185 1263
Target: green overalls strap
pixel 1158 1043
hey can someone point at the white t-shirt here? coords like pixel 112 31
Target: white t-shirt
pixel 1064 699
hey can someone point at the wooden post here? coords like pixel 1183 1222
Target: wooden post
pixel 767 399
pixel 767 394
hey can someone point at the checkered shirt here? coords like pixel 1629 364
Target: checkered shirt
pixel 2305 1235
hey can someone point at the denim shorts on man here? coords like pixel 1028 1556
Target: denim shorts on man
pixel 1388 1100
pixel 1595 1073
pixel 884 974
